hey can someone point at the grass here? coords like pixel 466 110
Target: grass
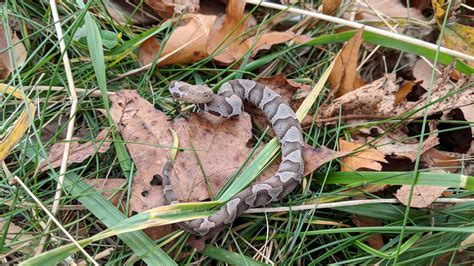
pixel 316 236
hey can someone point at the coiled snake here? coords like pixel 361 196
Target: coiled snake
pixel 227 103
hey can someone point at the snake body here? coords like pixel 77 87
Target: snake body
pixel 227 103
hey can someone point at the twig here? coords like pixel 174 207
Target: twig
pixel 51 216
pixel 357 25
pixel 346 204
pixel 71 124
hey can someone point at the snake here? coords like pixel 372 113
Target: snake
pixel 228 103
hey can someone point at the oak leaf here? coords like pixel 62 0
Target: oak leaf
pixel 368 158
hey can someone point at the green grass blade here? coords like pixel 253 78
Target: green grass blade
pixel 400 178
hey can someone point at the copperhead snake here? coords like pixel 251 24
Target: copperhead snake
pixel 227 103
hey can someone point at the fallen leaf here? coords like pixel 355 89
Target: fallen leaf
pixel 422 197
pixel 187 43
pixel 17 50
pixel 343 75
pixel 330 7
pixel 228 30
pixel 77 152
pixel 145 132
pixel 391 147
pixel 368 158
pixel 212 149
pixel 377 98
pixel 375 240
pixel 108 188
pixel 170 8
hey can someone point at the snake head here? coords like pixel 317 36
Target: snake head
pixel 197 94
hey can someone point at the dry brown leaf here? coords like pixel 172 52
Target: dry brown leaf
pixel 145 132
pixel 219 144
pixel 170 8
pixel 375 240
pixel 377 98
pixel 108 187
pixel 343 75
pixel 187 43
pixel 391 147
pixel 77 153
pixel 227 30
pixel 422 197
pixel 330 7
pixel 368 158
pixel 18 51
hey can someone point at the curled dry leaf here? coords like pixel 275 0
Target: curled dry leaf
pixel 77 152
pixel 14 56
pixel 377 97
pixel 422 197
pixel 170 8
pixel 187 43
pixel 145 133
pixel 368 158
pixel 344 76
